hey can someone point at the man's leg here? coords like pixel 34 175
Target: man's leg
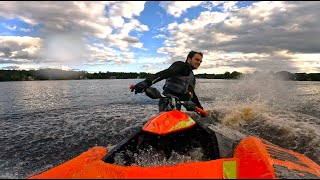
pixel 163 104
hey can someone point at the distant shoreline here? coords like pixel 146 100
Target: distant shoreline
pixel 58 74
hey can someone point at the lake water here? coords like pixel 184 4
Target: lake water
pixel 45 123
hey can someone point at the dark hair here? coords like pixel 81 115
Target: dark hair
pixel 192 53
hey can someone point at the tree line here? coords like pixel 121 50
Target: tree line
pixel 58 74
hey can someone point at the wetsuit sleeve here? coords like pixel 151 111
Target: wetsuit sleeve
pixel 196 100
pixel 177 68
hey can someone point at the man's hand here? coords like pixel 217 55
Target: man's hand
pixel 190 106
pixel 202 115
pixel 140 87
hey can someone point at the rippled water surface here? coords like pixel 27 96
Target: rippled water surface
pixel 45 123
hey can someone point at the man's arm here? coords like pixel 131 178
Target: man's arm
pixel 196 100
pixel 177 68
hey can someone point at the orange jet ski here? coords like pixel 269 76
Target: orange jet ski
pixel 175 132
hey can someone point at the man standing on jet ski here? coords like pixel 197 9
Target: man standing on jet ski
pixel 180 81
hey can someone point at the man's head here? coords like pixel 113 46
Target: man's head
pixel 194 58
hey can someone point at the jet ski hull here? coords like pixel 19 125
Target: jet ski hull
pixel 252 158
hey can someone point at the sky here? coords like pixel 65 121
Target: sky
pixel 148 36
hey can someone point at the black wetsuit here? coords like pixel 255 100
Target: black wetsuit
pixel 177 69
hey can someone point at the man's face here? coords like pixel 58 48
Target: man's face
pixel 195 61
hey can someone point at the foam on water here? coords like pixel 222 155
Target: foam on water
pixel 290 130
pixel 153 157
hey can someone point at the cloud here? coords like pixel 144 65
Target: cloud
pixel 133 25
pixel 67 48
pixel 67 27
pixel 26 67
pixel 172 25
pixel 130 39
pixel 159 36
pixel 76 14
pixel 24 30
pixel 126 9
pixel 153 60
pixel 149 68
pixel 58 49
pixel 11 67
pixel 229 6
pixel 273 26
pixel 264 28
pixel 99 54
pixel 15 49
pixel 12 28
pixel 177 8
pixel 89 18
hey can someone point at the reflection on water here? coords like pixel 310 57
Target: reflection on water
pixel 31 96
pixel 44 123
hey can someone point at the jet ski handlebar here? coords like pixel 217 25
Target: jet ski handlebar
pixel 153 93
